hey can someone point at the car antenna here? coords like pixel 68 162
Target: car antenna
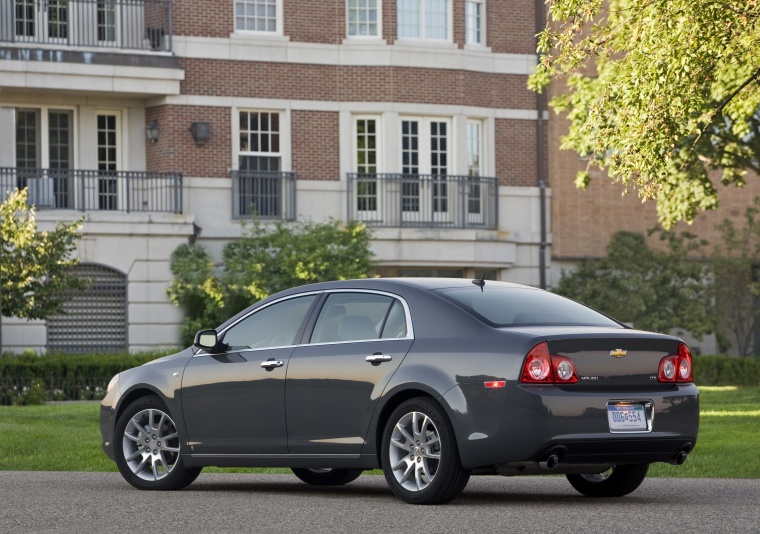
pixel 480 283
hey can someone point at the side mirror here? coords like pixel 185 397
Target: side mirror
pixel 206 340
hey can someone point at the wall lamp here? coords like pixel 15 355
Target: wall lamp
pixel 151 131
pixel 201 132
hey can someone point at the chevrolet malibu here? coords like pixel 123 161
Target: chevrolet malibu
pixel 431 380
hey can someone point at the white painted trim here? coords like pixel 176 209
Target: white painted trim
pixel 374 52
pixel 261 34
pixel 370 108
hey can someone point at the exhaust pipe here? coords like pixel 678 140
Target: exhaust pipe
pixel 679 459
pixel 550 463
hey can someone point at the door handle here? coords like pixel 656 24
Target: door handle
pixel 271 364
pixel 379 357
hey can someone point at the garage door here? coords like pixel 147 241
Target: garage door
pixel 95 319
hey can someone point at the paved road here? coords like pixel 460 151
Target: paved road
pixel 103 502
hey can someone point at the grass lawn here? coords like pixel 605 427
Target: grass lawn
pixel 66 437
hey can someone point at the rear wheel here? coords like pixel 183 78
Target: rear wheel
pixel 620 480
pixel 147 447
pixel 326 476
pixel 420 456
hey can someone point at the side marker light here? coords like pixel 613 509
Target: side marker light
pixel 495 384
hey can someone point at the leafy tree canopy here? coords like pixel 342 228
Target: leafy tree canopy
pixel 653 289
pixel 35 267
pixel 267 259
pixel 675 94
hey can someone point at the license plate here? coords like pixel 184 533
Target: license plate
pixel 626 417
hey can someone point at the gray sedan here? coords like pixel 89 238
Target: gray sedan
pixel 432 380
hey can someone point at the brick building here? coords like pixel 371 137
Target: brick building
pixel 165 121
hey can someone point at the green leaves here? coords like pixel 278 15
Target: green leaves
pixel 267 259
pixel 35 267
pixel 675 93
pixel 653 289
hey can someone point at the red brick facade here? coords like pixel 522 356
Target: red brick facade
pixel 312 21
pixel 176 150
pixel 511 26
pixel 354 84
pixel 316 145
pixel 516 152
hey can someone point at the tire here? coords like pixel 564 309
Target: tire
pixel 622 480
pixel 419 454
pixel 150 460
pixel 326 476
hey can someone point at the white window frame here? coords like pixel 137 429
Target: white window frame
pixel 44 131
pixel 278 31
pixel 426 190
pixel 480 28
pixel 236 129
pixel 422 23
pixel 475 189
pixel 368 215
pixel 359 37
pixel 119 162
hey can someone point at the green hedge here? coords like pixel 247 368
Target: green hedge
pixel 33 379
pixel 726 371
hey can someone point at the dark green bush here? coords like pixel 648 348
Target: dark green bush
pixel 32 379
pixel 725 371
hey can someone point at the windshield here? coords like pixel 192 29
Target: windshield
pixel 500 306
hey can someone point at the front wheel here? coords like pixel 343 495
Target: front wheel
pixel 621 480
pixel 147 447
pixel 326 476
pixel 419 454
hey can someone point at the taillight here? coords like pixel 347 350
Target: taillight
pixel 542 368
pixel 677 368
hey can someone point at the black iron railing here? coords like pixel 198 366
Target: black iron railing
pixel 86 190
pixel 263 194
pixel 111 24
pixel 423 200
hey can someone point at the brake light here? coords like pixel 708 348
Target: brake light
pixel 677 368
pixel 542 368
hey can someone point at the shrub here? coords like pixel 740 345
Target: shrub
pixel 724 371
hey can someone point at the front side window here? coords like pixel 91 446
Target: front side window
pixel 474 17
pixel 273 326
pixel 423 19
pixel 256 15
pixel 359 317
pixel 363 18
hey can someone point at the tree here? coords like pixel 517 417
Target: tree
pixel 675 93
pixel 267 259
pixel 35 267
pixel 737 272
pixel 653 289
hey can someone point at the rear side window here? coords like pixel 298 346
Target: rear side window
pixel 517 306
pixel 358 317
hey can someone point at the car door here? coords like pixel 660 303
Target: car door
pixel 234 401
pixel 334 381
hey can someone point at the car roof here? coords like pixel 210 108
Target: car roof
pixel 424 283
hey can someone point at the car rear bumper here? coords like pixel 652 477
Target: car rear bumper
pixel 521 423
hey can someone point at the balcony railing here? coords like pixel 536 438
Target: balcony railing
pixel 423 200
pixel 263 194
pixel 84 190
pixel 111 24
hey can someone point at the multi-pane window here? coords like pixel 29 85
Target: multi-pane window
pixel 410 165
pixel 423 19
pixel 260 162
pixel 44 153
pixel 474 16
pixel 106 20
pixel 256 15
pixel 259 141
pixel 474 162
pixel 107 162
pixel 362 18
pixel 424 150
pixel 366 164
pixel 48 19
pixel 25 18
pixel 58 19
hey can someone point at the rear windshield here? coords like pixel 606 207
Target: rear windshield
pixel 517 306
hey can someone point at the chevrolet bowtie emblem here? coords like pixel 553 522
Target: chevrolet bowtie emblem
pixel 618 353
